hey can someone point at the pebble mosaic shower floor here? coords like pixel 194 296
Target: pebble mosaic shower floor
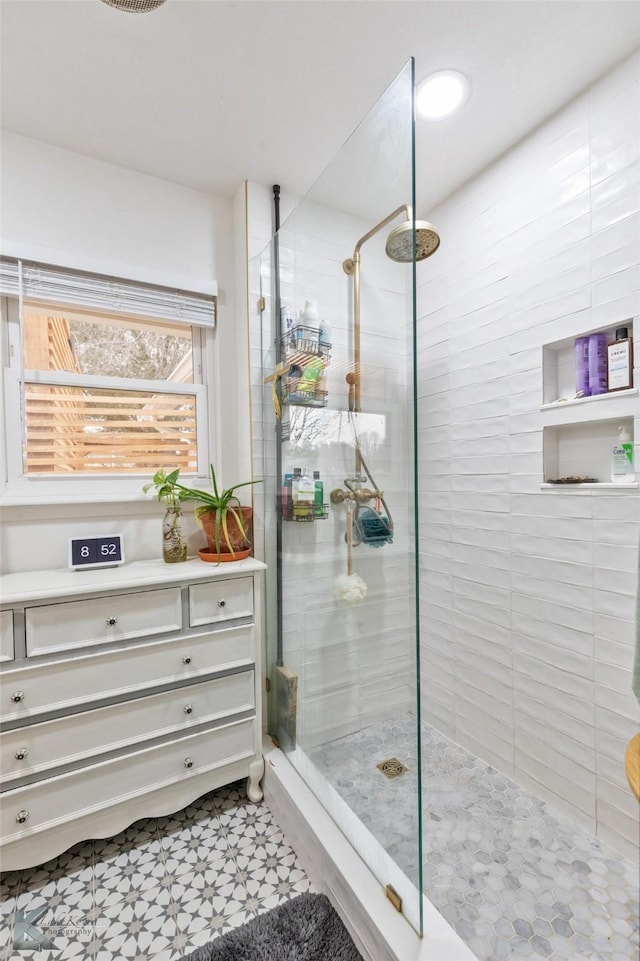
pixel 158 890
pixel 513 876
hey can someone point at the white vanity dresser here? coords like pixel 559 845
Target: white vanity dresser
pixel 125 693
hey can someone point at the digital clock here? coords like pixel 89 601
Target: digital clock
pixel 98 551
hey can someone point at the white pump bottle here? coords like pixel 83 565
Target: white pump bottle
pixel 622 467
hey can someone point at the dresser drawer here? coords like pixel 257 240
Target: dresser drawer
pixel 35 688
pixel 59 799
pixel 101 620
pixel 220 601
pixel 6 635
pixel 40 747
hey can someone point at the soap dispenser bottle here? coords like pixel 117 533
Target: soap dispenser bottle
pixel 622 467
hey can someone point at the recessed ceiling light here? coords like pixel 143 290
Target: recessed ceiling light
pixel 134 6
pixel 442 93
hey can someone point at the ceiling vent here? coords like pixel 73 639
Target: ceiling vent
pixel 134 6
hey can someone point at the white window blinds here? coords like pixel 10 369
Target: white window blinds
pixel 59 286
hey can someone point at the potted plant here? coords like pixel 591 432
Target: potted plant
pixel 224 520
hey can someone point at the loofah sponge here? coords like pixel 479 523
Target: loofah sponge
pixel 350 588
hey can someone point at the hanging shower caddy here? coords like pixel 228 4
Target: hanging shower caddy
pixel 308 357
pixel 303 509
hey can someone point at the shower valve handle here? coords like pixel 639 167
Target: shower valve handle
pixel 365 494
pixel 361 494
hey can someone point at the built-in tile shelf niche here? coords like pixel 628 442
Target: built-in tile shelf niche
pixel 579 434
pixel 559 370
pixel 583 450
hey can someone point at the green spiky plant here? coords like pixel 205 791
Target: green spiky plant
pixel 221 502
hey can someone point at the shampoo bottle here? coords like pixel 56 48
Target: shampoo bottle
pixel 304 493
pixel 622 467
pixel 293 492
pixel 287 497
pixel 581 350
pixel 598 363
pixel 318 495
pixel 325 334
pixel 286 323
pixel 620 361
pixel 310 320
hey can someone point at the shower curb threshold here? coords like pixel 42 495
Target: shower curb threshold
pixel 379 932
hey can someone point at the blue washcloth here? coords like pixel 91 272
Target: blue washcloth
pixel 375 530
pixel 635 684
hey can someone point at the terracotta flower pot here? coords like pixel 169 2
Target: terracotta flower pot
pixel 236 539
pixel 205 554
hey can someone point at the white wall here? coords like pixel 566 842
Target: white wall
pixel 64 208
pixel 84 210
pixel 528 593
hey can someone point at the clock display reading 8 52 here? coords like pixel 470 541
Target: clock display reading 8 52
pixel 99 551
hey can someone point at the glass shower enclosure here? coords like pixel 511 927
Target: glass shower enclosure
pixel 339 461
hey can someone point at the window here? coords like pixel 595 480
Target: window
pixel 103 391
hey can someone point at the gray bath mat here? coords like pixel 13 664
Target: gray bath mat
pixel 303 929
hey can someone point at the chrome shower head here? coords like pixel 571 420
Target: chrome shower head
pixel 399 246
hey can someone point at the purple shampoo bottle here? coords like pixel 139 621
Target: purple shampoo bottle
pixel 581 350
pixel 598 363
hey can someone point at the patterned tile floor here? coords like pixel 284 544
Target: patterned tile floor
pixel 158 890
pixel 514 877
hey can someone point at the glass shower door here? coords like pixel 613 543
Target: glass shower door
pixel 338 345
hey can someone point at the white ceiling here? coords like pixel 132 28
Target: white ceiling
pixel 208 93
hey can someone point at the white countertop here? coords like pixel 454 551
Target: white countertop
pixel 35 585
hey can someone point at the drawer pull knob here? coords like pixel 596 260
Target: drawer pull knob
pixel 188 762
pixel 222 603
pixel 22 816
pixel 17 696
pixel 188 709
pixel 186 659
pixel 21 753
pixel 111 621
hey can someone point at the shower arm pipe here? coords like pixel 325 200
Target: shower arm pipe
pixel 374 230
pixel 352 267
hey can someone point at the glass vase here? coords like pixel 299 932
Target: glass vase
pixel 174 545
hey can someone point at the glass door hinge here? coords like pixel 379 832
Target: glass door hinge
pixel 394 897
pixel 267 684
pixel 261 304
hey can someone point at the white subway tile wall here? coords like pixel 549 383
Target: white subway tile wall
pixel 528 595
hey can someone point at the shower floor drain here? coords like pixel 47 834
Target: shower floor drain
pixel 392 767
